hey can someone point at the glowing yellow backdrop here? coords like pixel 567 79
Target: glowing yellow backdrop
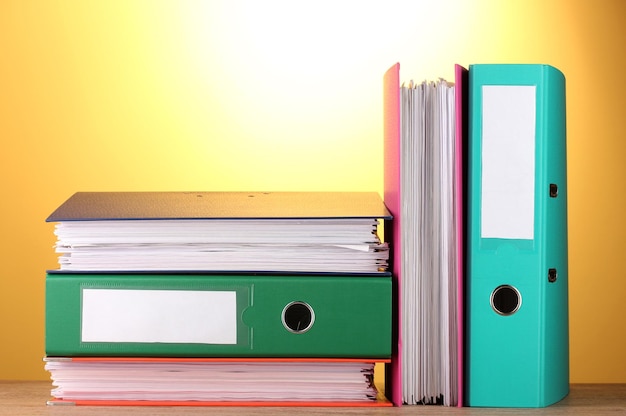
pixel 283 95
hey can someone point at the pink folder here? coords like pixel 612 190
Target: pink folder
pixel 392 192
pixel 194 371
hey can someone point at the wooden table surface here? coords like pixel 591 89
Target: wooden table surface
pixel 29 398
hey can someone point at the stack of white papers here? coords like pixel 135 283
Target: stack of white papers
pixel 211 380
pixel 344 245
pixel 429 269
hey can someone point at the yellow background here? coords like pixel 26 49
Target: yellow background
pixel 283 95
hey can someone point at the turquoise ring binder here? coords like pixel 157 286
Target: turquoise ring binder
pixel 517 302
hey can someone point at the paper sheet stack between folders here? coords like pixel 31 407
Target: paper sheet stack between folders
pixel 218 298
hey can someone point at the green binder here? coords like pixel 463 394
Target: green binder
pixel 193 315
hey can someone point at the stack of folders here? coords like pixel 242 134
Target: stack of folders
pixel 475 178
pixel 218 298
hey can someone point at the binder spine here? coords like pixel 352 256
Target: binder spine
pixel 555 269
pixel 517 256
pixel 233 316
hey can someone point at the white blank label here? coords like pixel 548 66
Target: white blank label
pixel 508 162
pixel 160 316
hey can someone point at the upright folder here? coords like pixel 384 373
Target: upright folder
pixel 400 188
pixel 167 315
pixel 517 303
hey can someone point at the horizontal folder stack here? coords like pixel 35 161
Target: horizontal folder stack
pixel 213 298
